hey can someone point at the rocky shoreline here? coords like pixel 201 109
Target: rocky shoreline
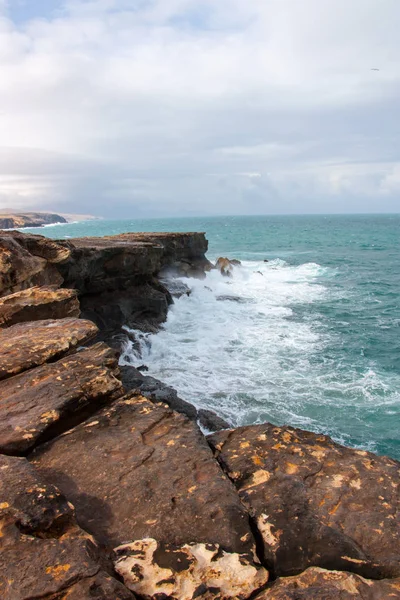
pixel 109 490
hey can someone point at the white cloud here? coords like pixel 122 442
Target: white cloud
pixel 138 102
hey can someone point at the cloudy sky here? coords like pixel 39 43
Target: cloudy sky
pixel 124 108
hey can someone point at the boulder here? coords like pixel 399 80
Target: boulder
pixel 318 584
pixel 226 266
pixel 38 304
pixel 43 552
pixel 28 345
pixel 41 403
pixel 211 421
pixel 202 571
pixel 138 470
pixel 314 502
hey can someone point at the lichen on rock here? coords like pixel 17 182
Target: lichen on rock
pixel 202 571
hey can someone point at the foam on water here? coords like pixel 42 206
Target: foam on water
pixel 236 346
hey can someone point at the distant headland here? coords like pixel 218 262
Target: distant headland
pixel 10 219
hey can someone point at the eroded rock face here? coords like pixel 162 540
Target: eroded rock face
pixel 202 571
pixel 318 584
pixel 315 502
pixel 20 268
pixel 43 552
pixel 38 304
pixel 137 470
pixel 27 345
pixel 42 402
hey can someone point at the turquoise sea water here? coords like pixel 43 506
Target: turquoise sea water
pixel 311 338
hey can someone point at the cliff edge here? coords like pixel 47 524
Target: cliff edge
pixel 106 494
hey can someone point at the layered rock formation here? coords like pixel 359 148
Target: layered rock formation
pixel 17 220
pixel 107 493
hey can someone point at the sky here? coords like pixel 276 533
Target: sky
pixel 141 108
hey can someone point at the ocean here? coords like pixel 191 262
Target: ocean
pixel 310 338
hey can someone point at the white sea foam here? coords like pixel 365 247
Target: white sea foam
pixel 241 347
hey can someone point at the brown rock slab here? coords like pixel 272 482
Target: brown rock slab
pixel 43 552
pixel 99 587
pixel 38 304
pixel 201 571
pixel 44 401
pixel 315 503
pixel 27 345
pixel 137 470
pixel 318 584
pixel 28 260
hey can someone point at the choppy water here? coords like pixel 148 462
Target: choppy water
pixel 311 338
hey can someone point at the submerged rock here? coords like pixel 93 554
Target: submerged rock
pixel 28 345
pixel 202 571
pixel 318 584
pixel 137 470
pixel 315 503
pixel 38 304
pixel 44 554
pixel 45 401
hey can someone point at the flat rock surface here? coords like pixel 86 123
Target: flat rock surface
pixel 43 552
pixel 37 304
pixel 27 345
pixel 41 402
pixel 137 470
pixel 318 584
pixel 315 503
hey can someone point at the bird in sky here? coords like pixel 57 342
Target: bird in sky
pixel 375 69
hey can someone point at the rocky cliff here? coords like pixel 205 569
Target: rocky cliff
pixel 106 493
pixel 18 220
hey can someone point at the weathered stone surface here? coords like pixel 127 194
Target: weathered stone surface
pixel 28 345
pixel 138 470
pixel 42 550
pixel 23 263
pixel 315 502
pixel 42 402
pixel 318 584
pixel 202 571
pixel 38 304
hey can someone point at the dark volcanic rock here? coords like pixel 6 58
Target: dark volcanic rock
pixel 138 470
pixel 315 502
pixel 37 304
pixel 42 550
pixel 156 391
pixel 44 401
pixel 142 306
pixel 28 345
pixel 318 584
pixel 211 421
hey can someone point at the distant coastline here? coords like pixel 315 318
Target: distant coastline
pixel 20 220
